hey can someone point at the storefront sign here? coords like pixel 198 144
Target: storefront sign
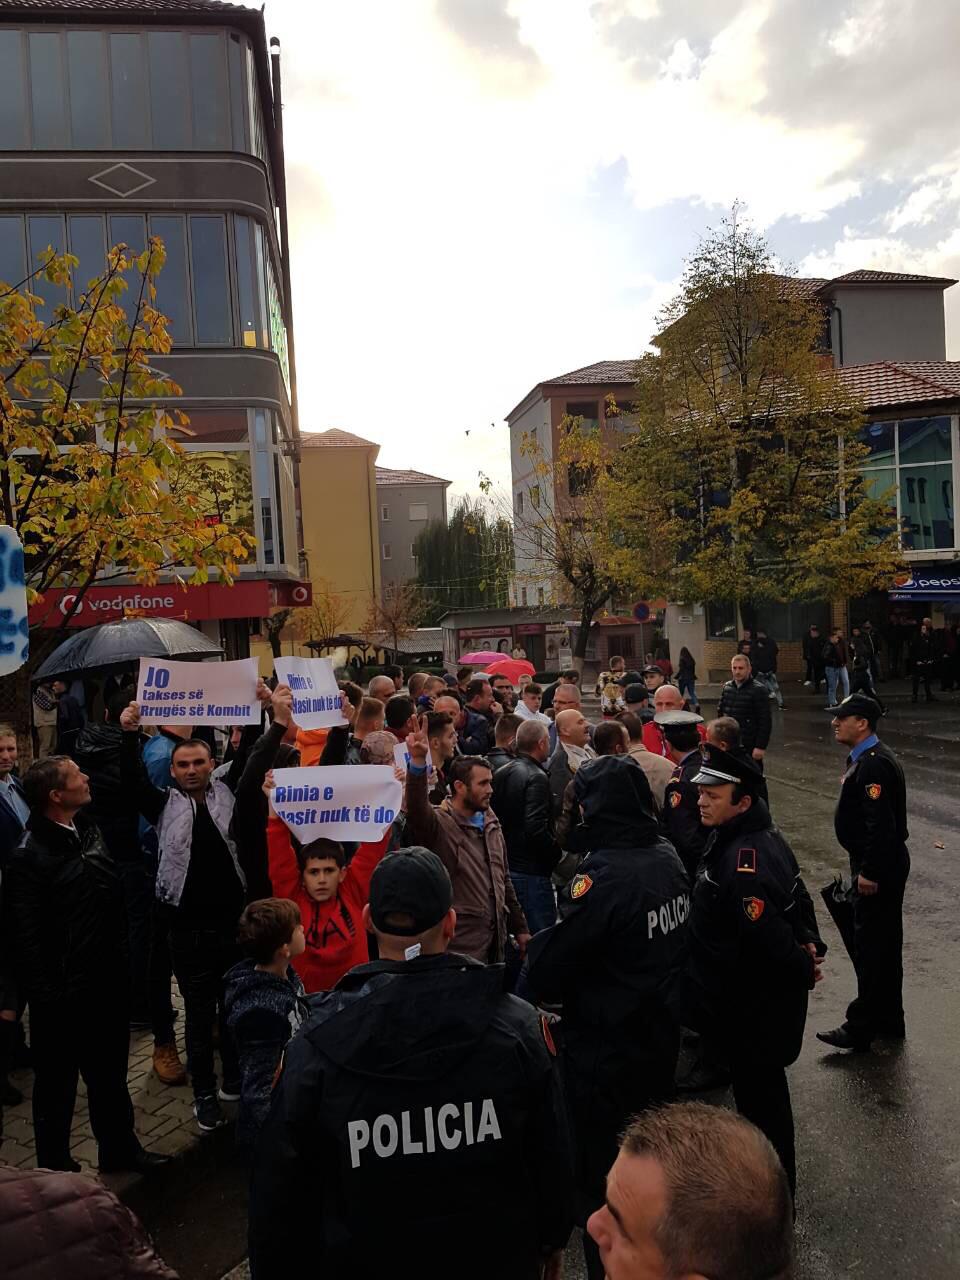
pixel 928 582
pixel 245 599
pixel 192 693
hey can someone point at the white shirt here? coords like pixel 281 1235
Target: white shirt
pixel 524 712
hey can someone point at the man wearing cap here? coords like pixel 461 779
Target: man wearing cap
pixel 681 812
pixel 871 824
pixel 749 704
pixel 417 1127
pixel 615 960
pixel 667 698
pixel 754 947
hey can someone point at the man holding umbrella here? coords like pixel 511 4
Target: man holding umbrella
pixel 871 824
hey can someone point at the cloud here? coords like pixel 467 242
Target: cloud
pixel 487 27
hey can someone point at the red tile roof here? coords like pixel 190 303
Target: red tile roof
pixel 334 439
pixel 889 277
pixel 889 384
pixel 387 475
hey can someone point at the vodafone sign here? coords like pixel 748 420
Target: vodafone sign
pixel 245 599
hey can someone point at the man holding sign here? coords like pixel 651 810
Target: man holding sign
pixel 201 887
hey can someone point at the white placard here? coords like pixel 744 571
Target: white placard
pixel 14 630
pixel 198 692
pixel 401 757
pixel 341 802
pixel 316 695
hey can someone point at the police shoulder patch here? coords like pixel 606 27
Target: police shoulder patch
pixel 873 790
pixel 747 861
pixel 753 908
pixel 675 798
pixel 580 885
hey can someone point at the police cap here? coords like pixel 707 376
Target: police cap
pixel 667 718
pixel 411 882
pixel 858 704
pixel 721 766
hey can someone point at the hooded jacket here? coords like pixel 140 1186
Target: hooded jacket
pixel 263 1012
pixel 616 957
pixel 336 937
pixel 418 1128
pixel 97 752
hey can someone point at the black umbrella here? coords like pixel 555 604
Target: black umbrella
pixel 118 644
pixel 838 897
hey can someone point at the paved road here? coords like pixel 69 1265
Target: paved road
pixel 879 1144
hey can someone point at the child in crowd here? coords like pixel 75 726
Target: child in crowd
pixel 330 895
pixel 265 1003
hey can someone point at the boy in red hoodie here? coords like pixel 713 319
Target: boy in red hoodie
pixel 331 897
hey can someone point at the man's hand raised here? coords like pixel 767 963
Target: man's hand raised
pixel 130 718
pixel 282 702
pixel 418 744
pixel 263 692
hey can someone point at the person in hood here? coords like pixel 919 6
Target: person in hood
pixel 615 959
pixel 265 1003
pixel 417 1127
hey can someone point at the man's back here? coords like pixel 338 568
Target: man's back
pixel 416 1130
pixel 522 802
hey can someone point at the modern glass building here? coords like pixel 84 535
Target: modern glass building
pixel 121 119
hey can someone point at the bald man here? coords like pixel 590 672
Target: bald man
pixel 566 697
pixel 667 698
pixel 381 687
pixel 573 750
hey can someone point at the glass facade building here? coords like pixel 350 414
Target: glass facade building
pixel 914 460
pixel 119 123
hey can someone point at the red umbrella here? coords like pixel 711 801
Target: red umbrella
pixel 478 659
pixel 512 668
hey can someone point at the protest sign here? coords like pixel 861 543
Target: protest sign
pixel 340 802
pixel 316 694
pixel 198 692
pixel 401 757
pixel 14 630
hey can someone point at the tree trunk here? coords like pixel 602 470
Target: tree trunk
pixel 16 709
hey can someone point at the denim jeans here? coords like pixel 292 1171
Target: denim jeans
pixel 837 675
pixel 536 897
pixel 688 688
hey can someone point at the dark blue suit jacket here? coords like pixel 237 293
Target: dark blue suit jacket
pixel 11 828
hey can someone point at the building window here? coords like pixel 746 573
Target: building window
pixel 520 502
pixel 418 511
pixel 535 497
pixel 413 550
pixel 912 460
pixel 385 513
pixel 387 551
pixel 540 595
pixel 586 410
pixel 523 595
pixel 208 260
pixel 722 620
pixel 579 479
pixel 169 90
pixel 89 105
pixel 128 89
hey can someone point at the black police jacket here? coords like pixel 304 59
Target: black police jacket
pixel 749 974
pixel 749 704
pixel 63 902
pixel 616 957
pixel 681 816
pixel 522 802
pixel 871 816
pixel 417 1130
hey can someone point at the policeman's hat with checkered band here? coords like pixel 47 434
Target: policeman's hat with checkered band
pixel 721 766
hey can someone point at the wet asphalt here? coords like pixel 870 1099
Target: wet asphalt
pixel 878 1135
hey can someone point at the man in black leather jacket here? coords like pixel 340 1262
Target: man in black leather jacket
pixel 522 802
pixel 64 906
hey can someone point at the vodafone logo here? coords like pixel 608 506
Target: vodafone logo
pixel 116 603
pixel 300 595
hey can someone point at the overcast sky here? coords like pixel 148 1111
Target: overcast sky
pixel 487 193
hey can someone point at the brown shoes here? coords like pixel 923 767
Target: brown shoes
pixel 167 1064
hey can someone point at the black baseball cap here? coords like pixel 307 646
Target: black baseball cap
pixel 634 693
pixel 721 766
pixel 411 882
pixel 858 704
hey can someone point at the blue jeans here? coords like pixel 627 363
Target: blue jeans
pixel 837 675
pixel 687 688
pixel 537 900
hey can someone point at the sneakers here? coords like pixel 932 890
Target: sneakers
pixel 167 1064
pixel 207 1110
pixel 229 1091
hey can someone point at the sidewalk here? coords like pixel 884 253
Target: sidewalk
pixel 164 1115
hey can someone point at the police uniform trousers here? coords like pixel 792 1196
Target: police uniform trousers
pixel 878 958
pixel 92 1040
pixel 762 1096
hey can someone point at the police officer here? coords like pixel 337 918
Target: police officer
pixel 871 824
pixel 417 1127
pixel 681 814
pixel 754 947
pixel 615 960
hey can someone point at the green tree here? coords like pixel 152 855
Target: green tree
pixel 740 478
pixel 464 563
pixel 91 476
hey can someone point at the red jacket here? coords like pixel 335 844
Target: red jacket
pixel 336 938
pixel 653 738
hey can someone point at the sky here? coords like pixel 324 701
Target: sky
pixel 485 194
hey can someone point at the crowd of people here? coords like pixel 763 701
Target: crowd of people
pixel 465 1034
